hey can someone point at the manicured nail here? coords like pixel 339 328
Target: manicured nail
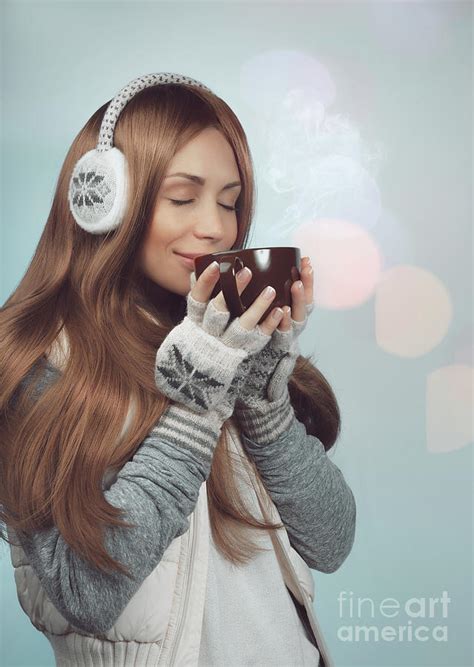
pixel 214 267
pixel 268 292
pixel 244 273
pixel 277 313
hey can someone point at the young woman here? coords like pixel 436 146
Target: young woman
pixel 164 477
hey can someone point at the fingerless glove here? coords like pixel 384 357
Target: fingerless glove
pixel 197 366
pixel 263 406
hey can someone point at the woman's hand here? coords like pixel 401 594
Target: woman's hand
pixel 272 366
pixel 202 288
pixel 199 363
pixel 300 296
pixel 263 406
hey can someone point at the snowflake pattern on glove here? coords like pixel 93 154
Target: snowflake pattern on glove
pixel 89 189
pixel 262 364
pixel 187 381
pixel 271 368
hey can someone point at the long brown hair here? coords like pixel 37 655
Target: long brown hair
pixel 56 449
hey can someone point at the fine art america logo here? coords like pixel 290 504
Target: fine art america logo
pixel 415 619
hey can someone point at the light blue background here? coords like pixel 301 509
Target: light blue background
pixel 403 73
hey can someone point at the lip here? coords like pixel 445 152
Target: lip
pixel 190 255
pixel 187 261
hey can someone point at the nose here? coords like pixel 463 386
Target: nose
pixel 211 223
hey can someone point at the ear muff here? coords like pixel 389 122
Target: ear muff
pixel 98 188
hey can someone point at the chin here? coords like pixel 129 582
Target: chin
pixel 180 289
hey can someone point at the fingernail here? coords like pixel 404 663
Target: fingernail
pixel 299 284
pixel 214 267
pixel 277 314
pixel 268 292
pixel 244 273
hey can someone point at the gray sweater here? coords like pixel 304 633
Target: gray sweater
pixel 158 490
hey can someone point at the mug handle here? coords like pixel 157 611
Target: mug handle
pixel 229 286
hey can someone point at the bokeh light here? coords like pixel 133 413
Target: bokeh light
pixel 346 262
pixel 413 311
pixel 449 414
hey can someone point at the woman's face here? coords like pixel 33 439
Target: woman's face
pixel 203 225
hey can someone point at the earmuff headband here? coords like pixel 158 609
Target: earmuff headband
pixel 98 186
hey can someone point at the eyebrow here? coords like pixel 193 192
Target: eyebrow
pixel 200 181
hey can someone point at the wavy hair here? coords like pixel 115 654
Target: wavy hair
pixel 89 290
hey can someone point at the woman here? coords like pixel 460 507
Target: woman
pixel 184 532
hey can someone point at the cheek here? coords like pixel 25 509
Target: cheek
pixel 232 234
pixel 161 233
pixel 153 248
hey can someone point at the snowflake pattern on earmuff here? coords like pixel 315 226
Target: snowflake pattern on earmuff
pixel 89 188
pixel 92 190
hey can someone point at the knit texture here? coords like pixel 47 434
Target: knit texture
pixel 126 93
pixel 198 359
pixel 263 405
pixel 265 421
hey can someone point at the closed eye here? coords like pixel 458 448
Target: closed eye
pixel 179 202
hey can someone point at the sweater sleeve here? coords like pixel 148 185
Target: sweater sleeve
pixel 157 489
pixel 312 497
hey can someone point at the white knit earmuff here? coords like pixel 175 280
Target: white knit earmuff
pixel 98 187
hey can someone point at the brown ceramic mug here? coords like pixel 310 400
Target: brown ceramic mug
pixel 279 267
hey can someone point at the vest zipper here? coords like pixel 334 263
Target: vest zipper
pixel 183 605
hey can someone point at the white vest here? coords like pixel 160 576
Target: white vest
pixel 161 624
